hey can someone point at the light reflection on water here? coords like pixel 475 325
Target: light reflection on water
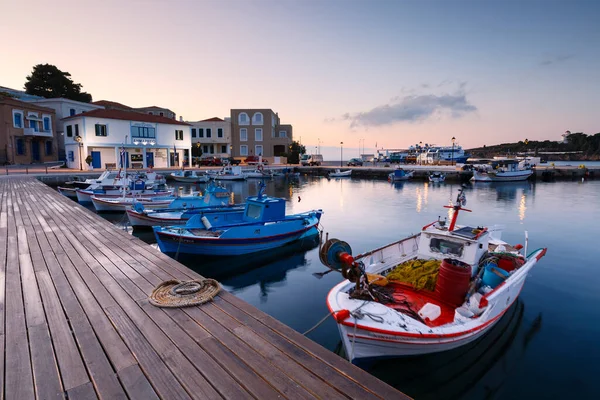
pixel 545 347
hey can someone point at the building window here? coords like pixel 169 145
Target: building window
pixel 220 132
pixel 71 156
pixel 76 129
pixel 20 147
pixel 47 124
pixel 33 124
pixel 17 119
pixel 208 132
pixel 193 132
pixel 200 132
pixel 49 148
pixel 162 114
pixel 257 119
pixel 143 132
pixel 72 112
pixel 150 112
pixel 282 134
pixel 178 135
pixel 205 149
pixel 100 130
pixel 223 148
pixel 243 119
pixel 258 149
pixel 243 150
pixel 258 134
pixel 212 149
pixel 69 130
pixel 243 135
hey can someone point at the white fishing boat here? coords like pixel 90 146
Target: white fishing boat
pixel 259 172
pixel 434 291
pixel 85 196
pixel 503 170
pixel 188 176
pixel 340 174
pixel 437 177
pixel 230 173
pixel 122 204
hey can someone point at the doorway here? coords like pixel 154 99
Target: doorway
pixel 35 150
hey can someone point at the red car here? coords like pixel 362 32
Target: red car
pixel 210 161
pixel 254 160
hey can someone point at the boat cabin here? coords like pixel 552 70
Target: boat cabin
pixel 264 208
pixel 465 243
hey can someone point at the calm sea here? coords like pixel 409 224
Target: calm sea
pixel 546 346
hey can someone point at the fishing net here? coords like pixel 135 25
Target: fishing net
pixel 421 274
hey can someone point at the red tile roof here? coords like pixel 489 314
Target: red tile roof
pixel 128 116
pixel 111 104
pixel 215 119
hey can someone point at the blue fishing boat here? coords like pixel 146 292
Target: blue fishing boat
pixel 400 174
pixel 179 211
pixel 262 225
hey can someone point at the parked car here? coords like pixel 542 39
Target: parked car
pixel 254 160
pixel 210 161
pixel 355 162
pixel 230 161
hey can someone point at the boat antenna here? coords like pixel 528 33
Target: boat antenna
pixel 261 190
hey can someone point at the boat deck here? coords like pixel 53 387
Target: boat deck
pixel 77 323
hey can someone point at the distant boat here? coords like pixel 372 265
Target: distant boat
pixel 189 176
pixel 259 172
pixel 437 177
pixel 400 174
pixel 340 174
pixel 502 170
pixel 262 225
pixel 230 173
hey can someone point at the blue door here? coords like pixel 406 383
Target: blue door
pixel 96 162
pixel 35 150
pixel 126 156
pixel 149 159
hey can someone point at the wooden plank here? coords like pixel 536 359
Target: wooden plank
pixel 367 381
pixel 45 370
pixel 136 384
pixel 83 392
pixel 163 381
pixel 18 370
pixel 2 367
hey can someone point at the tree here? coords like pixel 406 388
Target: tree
pixel 48 81
pixel 294 152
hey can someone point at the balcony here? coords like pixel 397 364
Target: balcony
pixel 33 132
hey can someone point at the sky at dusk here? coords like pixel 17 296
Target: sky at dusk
pixel 393 73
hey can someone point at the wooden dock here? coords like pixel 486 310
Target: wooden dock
pixel 78 325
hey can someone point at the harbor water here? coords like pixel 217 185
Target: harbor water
pixel 544 347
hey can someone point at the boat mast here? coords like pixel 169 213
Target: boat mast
pixel 461 200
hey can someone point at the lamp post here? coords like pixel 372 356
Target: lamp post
pixel 419 158
pixel 341 154
pixel 79 142
pixel 453 140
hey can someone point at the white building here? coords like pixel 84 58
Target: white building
pixel 64 108
pixel 212 136
pixel 148 140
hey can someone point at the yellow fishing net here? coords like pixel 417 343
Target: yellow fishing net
pixel 421 274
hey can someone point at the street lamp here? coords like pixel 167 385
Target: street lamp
pixel 419 158
pixel 79 140
pixel 453 140
pixel 341 154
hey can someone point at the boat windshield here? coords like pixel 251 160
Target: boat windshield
pixel 253 211
pixel 446 247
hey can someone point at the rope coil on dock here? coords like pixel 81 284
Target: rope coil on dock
pixel 174 293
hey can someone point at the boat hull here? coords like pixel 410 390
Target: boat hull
pixel 502 176
pixel 110 205
pixel 173 244
pixel 85 196
pixel 68 192
pixel 188 179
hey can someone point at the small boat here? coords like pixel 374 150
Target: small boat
pixel 437 177
pixel 123 203
pixel 400 174
pixel 135 189
pixel 259 173
pixel 70 192
pixel 262 225
pixel 182 208
pixel 435 291
pixel 340 174
pixel 189 177
pixel 230 173
pixel 502 170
